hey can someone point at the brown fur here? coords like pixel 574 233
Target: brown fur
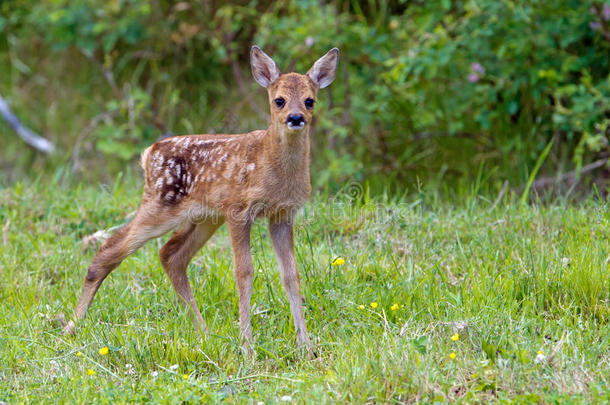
pixel 198 182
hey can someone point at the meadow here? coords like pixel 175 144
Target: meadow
pixel 475 301
pixel 455 248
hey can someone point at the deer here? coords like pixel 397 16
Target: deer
pixel 193 184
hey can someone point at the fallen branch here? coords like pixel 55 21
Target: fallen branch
pixel 102 235
pixel 99 237
pixel 547 181
pixel 30 137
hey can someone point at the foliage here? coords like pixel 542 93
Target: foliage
pixel 510 74
pixel 434 90
pixel 511 280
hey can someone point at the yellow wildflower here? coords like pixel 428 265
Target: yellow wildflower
pixel 104 350
pixel 455 337
pixel 339 261
pixel 185 376
pixel 452 355
pixel 395 307
pixel 79 354
pixel 90 372
pixel 540 352
pixel 360 306
pixel 373 305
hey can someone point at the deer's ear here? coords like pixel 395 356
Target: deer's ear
pixel 264 69
pixel 323 71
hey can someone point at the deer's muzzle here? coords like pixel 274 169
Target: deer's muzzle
pixel 295 121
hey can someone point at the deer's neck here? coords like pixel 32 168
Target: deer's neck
pixel 288 151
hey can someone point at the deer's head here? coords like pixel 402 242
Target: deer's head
pixel 292 96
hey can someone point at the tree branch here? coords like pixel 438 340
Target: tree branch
pixel 29 136
pixel 88 129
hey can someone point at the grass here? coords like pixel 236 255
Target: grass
pixel 511 280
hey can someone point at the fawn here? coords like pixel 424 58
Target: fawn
pixel 198 182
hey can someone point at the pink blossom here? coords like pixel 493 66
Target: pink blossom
pixel 478 68
pixel 473 77
pixel 595 26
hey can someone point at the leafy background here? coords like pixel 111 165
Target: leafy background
pixel 441 92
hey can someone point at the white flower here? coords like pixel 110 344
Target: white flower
pixel 154 374
pixel 173 367
pixel 309 41
pixel 565 261
pixel 286 398
pixel 539 357
pixel 129 370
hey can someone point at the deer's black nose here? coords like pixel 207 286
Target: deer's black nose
pixel 296 120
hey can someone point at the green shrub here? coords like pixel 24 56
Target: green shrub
pixel 434 90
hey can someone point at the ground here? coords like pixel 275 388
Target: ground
pixel 471 301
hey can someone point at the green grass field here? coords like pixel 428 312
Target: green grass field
pixel 523 290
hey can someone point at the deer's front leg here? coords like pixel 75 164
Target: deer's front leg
pixel 281 235
pixel 244 272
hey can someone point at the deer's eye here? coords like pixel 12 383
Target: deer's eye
pixel 309 103
pixel 279 102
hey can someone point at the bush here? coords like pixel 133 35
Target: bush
pixel 432 90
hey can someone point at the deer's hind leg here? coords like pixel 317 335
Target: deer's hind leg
pixel 151 221
pixel 175 256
